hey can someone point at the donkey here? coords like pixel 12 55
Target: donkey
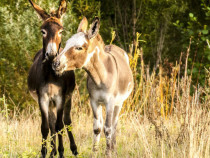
pixel 52 92
pixel 109 81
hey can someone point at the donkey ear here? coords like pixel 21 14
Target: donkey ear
pixel 39 10
pixel 83 25
pixel 94 29
pixel 62 8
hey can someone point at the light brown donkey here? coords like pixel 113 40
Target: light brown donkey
pixel 110 80
pixel 52 92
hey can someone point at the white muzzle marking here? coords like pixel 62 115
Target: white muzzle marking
pixel 51 49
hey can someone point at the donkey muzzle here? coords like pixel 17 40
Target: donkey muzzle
pixel 56 64
pixel 51 50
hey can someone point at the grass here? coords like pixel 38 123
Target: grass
pixel 138 135
pixel 165 116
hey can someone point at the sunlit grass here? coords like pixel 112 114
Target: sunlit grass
pixel 138 136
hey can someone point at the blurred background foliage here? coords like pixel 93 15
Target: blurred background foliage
pixel 167 28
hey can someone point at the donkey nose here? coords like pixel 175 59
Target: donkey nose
pixel 56 64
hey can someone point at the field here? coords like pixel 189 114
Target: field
pixel 162 118
pixel 137 136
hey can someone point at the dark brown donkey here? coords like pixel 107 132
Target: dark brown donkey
pixel 110 80
pixel 52 92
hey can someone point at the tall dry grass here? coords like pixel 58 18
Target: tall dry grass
pixel 165 116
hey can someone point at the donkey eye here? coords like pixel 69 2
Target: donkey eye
pixel 60 32
pixel 43 32
pixel 78 48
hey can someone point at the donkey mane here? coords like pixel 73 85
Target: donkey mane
pixel 53 13
pixel 54 20
pixel 99 41
pixel 37 54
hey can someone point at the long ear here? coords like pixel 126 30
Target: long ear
pixel 39 10
pixel 83 25
pixel 94 29
pixel 62 8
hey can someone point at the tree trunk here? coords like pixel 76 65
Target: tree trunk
pixel 163 31
pixel 134 26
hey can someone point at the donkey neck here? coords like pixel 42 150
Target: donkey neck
pixel 97 66
pixel 47 69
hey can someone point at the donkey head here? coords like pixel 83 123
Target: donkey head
pixel 79 48
pixel 51 29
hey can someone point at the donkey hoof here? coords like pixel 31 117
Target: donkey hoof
pixel 108 154
pixel 75 152
pixel 61 156
pixel 44 153
pixel 53 153
pixel 113 146
pixel 74 149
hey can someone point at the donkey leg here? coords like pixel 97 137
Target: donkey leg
pixel 59 127
pixel 67 122
pixel 52 122
pixel 44 105
pixel 114 124
pixel 108 127
pixel 59 124
pixel 97 124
